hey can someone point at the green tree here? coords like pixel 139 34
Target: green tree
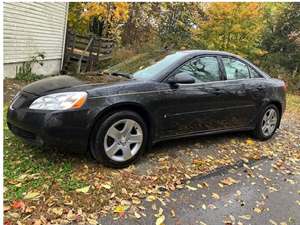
pixel 140 26
pixel 233 27
pixel 281 39
pixel 175 22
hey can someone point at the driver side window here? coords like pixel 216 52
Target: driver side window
pixel 203 69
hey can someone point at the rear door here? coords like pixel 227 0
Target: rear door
pixel 241 91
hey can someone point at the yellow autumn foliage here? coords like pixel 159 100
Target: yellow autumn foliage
pixel 234 27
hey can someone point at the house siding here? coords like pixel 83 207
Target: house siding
pixel 32 28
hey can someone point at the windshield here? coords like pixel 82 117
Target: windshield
pixel 153 71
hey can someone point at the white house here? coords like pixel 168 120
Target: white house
pixel 32 28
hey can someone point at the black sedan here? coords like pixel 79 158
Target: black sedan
pixel 187 93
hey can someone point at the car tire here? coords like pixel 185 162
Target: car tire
pixel 266 126
pixel 114 144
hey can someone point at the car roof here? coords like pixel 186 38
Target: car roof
pixel 200 52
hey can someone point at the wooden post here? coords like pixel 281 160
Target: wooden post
pixel 81 55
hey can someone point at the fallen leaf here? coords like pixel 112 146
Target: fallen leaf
pixel 272 189
pixel 160 212
pixel 6 208
pixel 83 190
pixel 121 208
pixel 14 215
pixel 71 215
pixel 7 222
pixel 257 210
pixel 238 193
pixel 272 222
pixel 191 188
pixel 18 205
pixel 250 142
pixel 57 211
pixel 106 186
pixel 136 201
pixel 229 181
pixel 150 198
pixel 92 221
pixel 137 215
pixel 160 220
pixel 37 222
pixel 31 195
pixel 173 213
pixel 245 217
pixel 215 196
pixel 211 206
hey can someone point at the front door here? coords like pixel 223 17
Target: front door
pixel 193 108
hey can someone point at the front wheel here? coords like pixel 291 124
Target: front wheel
pixel 267 123
pixel 120 139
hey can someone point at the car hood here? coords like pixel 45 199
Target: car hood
pixel 64 83
pixel 50 84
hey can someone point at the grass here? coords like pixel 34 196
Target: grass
pixel 27 168
pixel 293 102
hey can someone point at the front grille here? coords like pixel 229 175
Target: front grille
pixel 20 132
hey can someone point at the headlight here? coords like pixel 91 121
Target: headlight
pixel 60 101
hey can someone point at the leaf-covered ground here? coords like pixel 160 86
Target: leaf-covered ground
pixel 46 186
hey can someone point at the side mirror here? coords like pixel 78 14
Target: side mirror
pixel 182 78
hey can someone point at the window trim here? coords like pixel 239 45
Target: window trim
pixel 244 62
pixel 259 75
pixel 237 59
pixel 166 76
pixel 221 75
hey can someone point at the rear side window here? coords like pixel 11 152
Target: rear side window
pixel 235 69
pixel 203 69
pixel 253 73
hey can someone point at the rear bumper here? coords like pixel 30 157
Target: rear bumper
pixel 68 130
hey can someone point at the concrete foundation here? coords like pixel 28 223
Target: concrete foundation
pixel 50 67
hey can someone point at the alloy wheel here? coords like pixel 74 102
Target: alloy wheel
pixel 269 122
pixel 123 140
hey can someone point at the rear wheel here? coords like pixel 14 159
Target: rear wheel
pixel 267 123
pixel 120 139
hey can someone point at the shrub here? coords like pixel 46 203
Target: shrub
pixel 24 72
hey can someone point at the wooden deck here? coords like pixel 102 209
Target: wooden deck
pixel 82 53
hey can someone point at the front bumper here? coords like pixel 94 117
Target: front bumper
pixel 64 129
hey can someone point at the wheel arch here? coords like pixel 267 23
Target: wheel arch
pixel 279 107
pixel 131 106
